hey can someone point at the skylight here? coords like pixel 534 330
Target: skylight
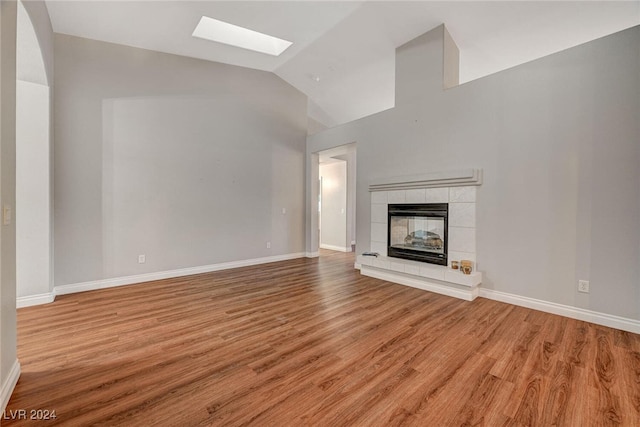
pixel 223 32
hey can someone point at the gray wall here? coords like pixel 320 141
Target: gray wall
pixel 8 13
pixel 185 161
pixel 33 227
pixel 558 141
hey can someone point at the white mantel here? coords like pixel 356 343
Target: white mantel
pixel 458 189
pixel 465 177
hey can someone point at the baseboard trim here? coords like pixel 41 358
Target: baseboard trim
pixel 9 385
pixel 140 278
pixel 617 322
pixel 609 320
pixel 38 299
pixel 335 248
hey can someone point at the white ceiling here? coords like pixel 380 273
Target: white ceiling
pixel 349 45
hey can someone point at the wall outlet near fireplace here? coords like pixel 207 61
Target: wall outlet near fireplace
pixel 583 286
pixel 142 259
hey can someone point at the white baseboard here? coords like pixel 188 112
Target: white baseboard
pixel 617 322
pixel 335 248
pixel 622 323
pixel 38 299
pixel 140 278
pixel 9 385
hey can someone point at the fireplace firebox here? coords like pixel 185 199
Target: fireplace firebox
pixel 418 232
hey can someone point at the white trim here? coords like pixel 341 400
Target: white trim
pixel 312 254
pixel 9 384
pixel 38 299
pixel 467 293
pixel 623 323
pixel 357 266
pixel 430 180
pixel 140 278
pixel 335 248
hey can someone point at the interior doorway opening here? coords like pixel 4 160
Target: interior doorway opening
pixel 336 201
pixel 33 210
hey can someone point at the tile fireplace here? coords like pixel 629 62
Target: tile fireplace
pixel 419 224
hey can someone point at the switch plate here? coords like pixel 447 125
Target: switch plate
pixel 268 245
pixel 6 215
pixel 583 286
pixel 142 259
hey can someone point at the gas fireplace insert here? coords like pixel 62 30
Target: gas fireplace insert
pixel 418 232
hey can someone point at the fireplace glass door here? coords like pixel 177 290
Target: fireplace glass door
pixel 418 232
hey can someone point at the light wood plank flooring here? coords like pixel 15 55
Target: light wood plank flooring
pixel 311 342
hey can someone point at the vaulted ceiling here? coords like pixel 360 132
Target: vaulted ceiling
pixel 342 55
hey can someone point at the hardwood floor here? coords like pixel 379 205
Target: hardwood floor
pixel 311 342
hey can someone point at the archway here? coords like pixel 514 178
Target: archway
pixel 33 168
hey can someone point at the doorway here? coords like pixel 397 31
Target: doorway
pixel 336 201
pixel 332 209
pixel 34 265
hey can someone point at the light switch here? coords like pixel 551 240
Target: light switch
pixel 6 215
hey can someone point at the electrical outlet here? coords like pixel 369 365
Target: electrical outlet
pixel 583 286
pixel 142 259
pixel 268 245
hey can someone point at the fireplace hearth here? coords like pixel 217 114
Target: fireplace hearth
pixel 418 232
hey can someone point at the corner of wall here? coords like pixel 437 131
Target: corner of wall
pixel 9 384
pixel 451 61
pixel 9 369
pixel 419 66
